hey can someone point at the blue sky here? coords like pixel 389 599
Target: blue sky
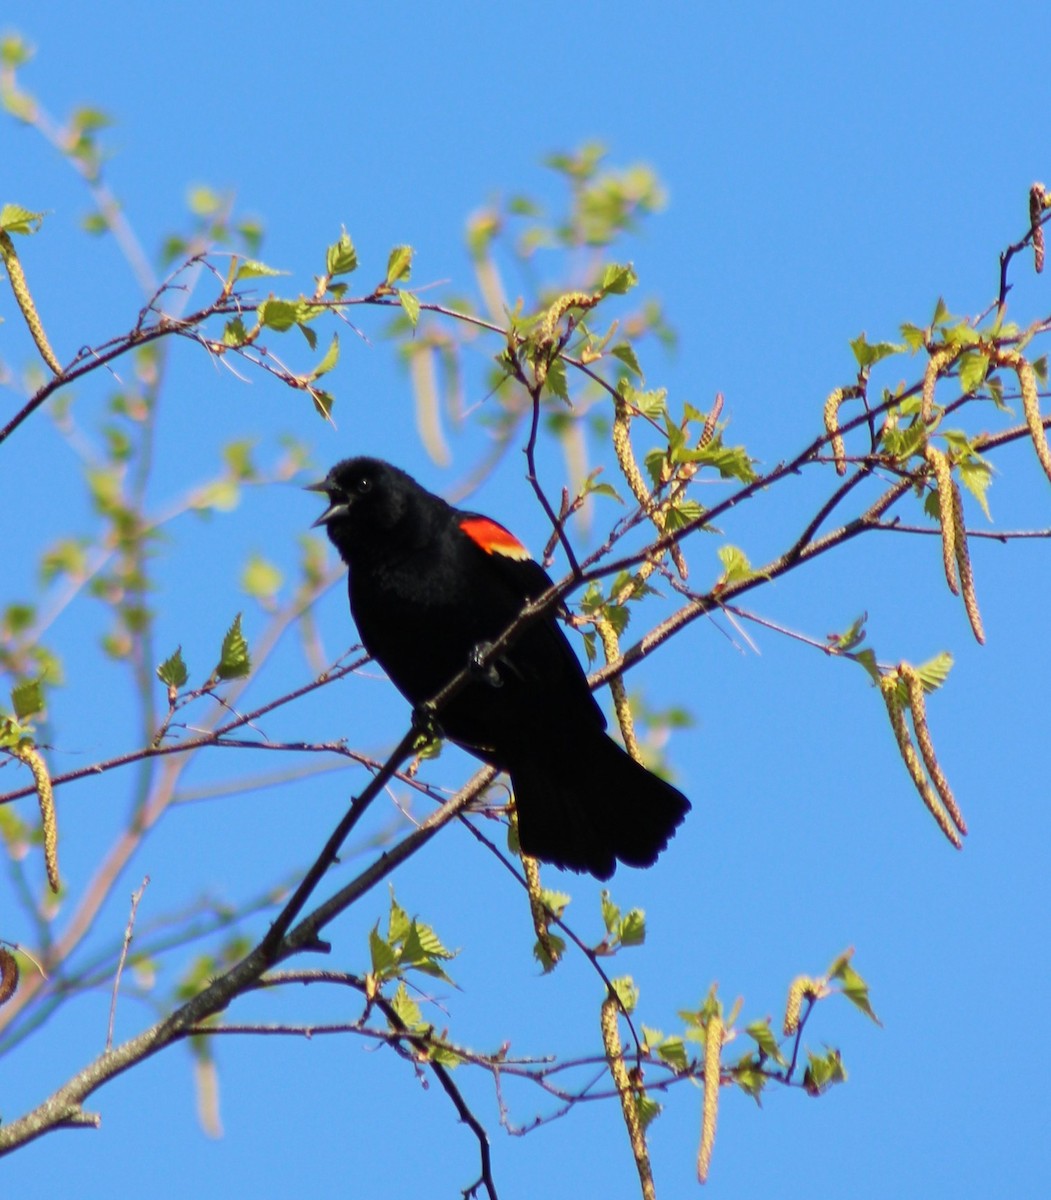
pixel 829 170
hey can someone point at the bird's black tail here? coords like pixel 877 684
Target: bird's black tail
pixel 591 804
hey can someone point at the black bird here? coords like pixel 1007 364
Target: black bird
pixel 431 586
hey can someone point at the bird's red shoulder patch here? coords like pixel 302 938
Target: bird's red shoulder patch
pixel 494 538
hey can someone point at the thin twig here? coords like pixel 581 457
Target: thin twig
pixel 214 737
pixel 136 896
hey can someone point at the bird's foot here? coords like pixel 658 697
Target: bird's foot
pixel 425 723
pixel 482 670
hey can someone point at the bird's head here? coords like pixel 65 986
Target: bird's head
pixel 368 501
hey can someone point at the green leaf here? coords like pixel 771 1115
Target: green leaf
pixel 424 937
pixel 592 487
pixel 445 1055
pixel 18 617
pixel 15 51
pixel 961 334
pixel 27 698
pixel 234 659
pixel 546 961
pixel 384 960
pixel 654 461
pixel 736 566
pixel 172 672
pixel 683 512
pixel 867 659
pixel 914 337
pixel 440 1052
pixel 250 269
pixel 407 1008
pixel 976 475
pixel 260 578
pixel 868 355
pixel 856 990
pixel 330 359
pixel 16 219
pixel 972 370
pixel 633 928
pixel 590 645
pixel 204 201
pixel 251 232
pixel 672 1050
pixel 902 443
pixel 65 557
pixel 934 672
pixel 651 1038
pixel 172 248
pixel 398 922
pixel 646 1107
pixel 823 1072
pixel 627 992
pixel 852 637
pixel 341 258
pixel 323 402
pixel 732 462
pixel 749 1078
pixel 694 1019
pixel 617 279
pixel 234 332
pixel 399 264
pixel 555 379
pixel 557 902
pixel 19 104
pixel 995 387
pixel 625 351
pixel 410 302
pixel 222 494
pixel 280 315
pixel 238 456
pixel 763 1036
pixel 90 120
pixel 649 404
pixel 610 912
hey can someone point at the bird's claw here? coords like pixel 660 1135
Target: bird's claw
pixel 425 722
pixel 482 670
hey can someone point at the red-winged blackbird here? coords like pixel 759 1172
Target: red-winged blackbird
pixel 430 586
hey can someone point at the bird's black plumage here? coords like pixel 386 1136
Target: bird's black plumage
pixel 429 585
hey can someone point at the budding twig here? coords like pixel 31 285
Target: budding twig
pixel 800 987
pixel 938 363
pixel 918 707
pixel 939 464
pixel 832 405
pixel 1037 196
pixel 25 301
pixel 34 760
pixel 1030 399
pixel 537 908
pixel 628 1105
pixel 895 710
pixel 713 1044
pixel 963 561
pixel 621 705
pixel 630 470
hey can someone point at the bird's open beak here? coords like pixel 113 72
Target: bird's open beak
pixel 333 510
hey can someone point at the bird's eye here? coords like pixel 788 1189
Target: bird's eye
pixel 363 484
